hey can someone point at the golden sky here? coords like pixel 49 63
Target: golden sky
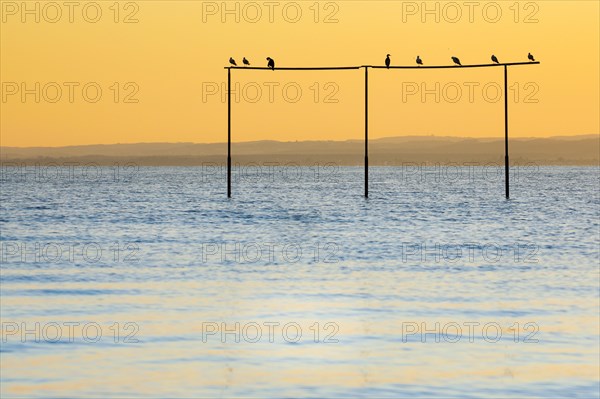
pixel 159 67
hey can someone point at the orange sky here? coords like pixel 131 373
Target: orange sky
pixel 168 68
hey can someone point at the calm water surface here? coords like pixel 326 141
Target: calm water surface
pixel 436 286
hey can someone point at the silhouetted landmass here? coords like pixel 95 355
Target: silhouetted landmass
pixel 559 150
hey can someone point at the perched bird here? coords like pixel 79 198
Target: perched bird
pixel 245 61
pixel 495 59
pixel 387 61
pixel 530 57
pixel 271 63
pixel 419 60
pixel 232 61
pixel 456 61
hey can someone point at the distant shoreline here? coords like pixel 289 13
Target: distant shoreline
pixel 391 151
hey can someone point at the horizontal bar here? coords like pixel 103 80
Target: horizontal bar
pixel 295 68
pixel 384 67
pixel 450 66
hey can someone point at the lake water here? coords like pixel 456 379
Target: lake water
pixel 125 281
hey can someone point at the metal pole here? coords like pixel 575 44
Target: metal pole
pixel 228 132
pixel 506 167
pixel 366 132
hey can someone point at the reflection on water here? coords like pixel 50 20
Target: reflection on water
pixel 149 282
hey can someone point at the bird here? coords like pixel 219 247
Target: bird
pixel 271 63
pixel 419 60
pixel 456 61
pixel 245 61
pixel 530 57
pixel 387 61
pixel 495 59
pixel 232 61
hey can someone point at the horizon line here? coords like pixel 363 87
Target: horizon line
pixel 587 135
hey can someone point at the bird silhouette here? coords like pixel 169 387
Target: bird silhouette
pixel 456 61
pixel 232 61
pixel 387 61
pixel 419 60
pixel 495 59
pixel 271 63
pixel 245 61
pixel 530 57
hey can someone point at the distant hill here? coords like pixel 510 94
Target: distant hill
pixel 559 150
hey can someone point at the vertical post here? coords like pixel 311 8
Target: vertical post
pixel 506 166
pixel 228 132
pixel 366 132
